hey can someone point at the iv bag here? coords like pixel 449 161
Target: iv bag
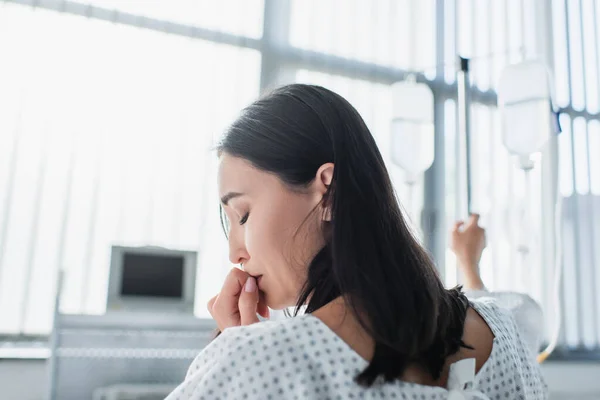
pixel 412 127
pixel 525 104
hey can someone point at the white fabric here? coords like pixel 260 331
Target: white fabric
pixel 461 380
pixel 527 314
pixel 301 358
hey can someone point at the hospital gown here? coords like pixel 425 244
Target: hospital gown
pixel 301 358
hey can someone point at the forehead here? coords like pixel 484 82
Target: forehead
pixel 238 175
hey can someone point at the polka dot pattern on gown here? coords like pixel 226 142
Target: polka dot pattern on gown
pixel 301 358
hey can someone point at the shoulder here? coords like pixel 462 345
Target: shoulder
pixel 514 352
pixel 247 360
pixel 513 314
pixel 272 334
pixel 242 343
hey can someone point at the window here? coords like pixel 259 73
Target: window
pixel 230 16
pixel 576 55
pixel 362 32
pixel 118 120
pixel 514 203
pixel 374 103
pixel 106 138
pixel 385 32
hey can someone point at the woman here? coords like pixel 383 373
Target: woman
pixel 313 221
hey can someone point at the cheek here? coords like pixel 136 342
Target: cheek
pixel 260 241
pixel 274 241
pixel 266 237
pixel 292 236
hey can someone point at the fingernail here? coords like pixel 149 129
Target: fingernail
pixel 250 285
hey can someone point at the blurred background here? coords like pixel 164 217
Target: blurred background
pixel 109 110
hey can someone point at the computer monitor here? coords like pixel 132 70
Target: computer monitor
pixel 151 279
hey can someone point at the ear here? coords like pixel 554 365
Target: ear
pixel 322 182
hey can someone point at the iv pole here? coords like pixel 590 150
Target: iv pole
pixel 464 125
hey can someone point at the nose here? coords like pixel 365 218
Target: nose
pixel 237 248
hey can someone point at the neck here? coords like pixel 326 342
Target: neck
pixel 338 316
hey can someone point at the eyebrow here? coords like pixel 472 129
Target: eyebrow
pixel 231 195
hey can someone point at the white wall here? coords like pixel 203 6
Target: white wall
pixel 26 380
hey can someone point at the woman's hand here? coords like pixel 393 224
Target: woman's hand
pixel 467 243
pixel 239 301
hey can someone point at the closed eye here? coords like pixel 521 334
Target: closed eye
pixel 244 218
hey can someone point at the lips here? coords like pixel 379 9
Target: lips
pixel 258 280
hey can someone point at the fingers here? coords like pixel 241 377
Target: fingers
pixel 474 219
pixel 224 308
pixel 211 304
pixel 262 308
pixel 457 226
pixel 248 302
pixel 234 282
pixel 239 301
pixel 474 225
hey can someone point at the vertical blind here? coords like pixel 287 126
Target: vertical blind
pixel 106 136
pixel 106 130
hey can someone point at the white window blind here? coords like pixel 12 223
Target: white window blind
pixel 105 138
pixel 105 132
pixel 374 103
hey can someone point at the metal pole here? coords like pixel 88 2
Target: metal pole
pixel 596 275
pixel 575 203
pixel 544 47
pixel 276 23
pixel 464 121
pixel 432 215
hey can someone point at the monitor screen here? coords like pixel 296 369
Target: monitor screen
pixel 152 275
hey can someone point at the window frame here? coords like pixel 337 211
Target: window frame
pixel 280 60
